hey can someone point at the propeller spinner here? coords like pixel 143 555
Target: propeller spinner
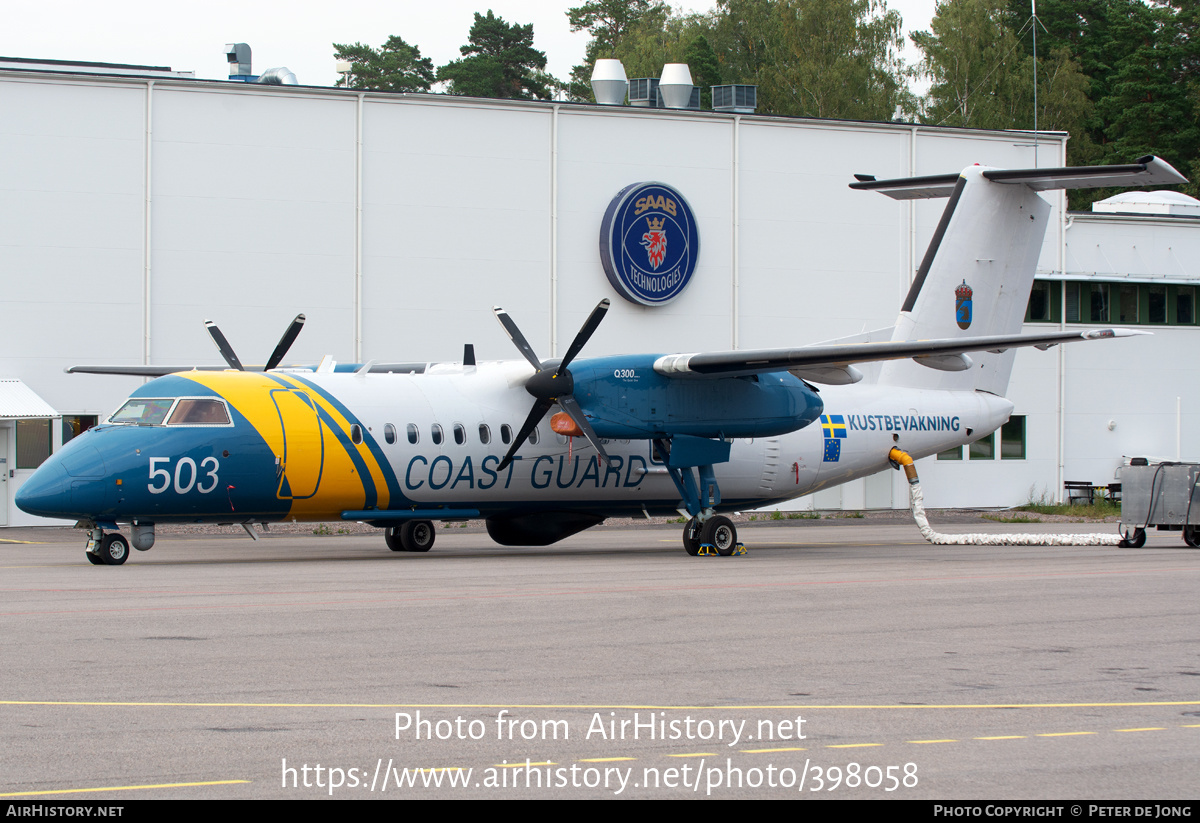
pixel 552 382
pixel 281 350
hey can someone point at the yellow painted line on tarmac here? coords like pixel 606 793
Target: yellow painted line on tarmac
pixel 124 788
pixel 1003 737
pixel 1147 729
pixel 605 759
pixel 594 706
pixel 695 754
pixel 764 751
pixel 1063 734
pixel 24 542
pixel 522 765
pixel 947 740
pixel 852 745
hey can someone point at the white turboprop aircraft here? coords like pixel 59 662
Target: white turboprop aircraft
pixel 400 446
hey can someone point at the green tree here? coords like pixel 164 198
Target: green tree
pixel 982 77
pixel 395 67
pixel 818 58
pixel 499 60
pixel 705 68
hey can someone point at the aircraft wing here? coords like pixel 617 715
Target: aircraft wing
pixel 160 371
pixel 834 363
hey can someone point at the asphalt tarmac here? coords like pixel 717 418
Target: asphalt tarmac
pixel 836 661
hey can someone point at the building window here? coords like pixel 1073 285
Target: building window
pixel 1098 303
pixel 1041 301
pixel 1127 310
pixel 1156 304
pixel 983 449
pixel 75 425
pixel 33 443
pixel 1072 302
pixel 1012 438
pixel 951 454
pixel 1185 305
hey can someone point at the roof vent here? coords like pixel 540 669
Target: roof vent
pixel 609 83
pixel 675 85
pixel 735 99
pixel 238 56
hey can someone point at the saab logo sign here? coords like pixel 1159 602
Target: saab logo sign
pixel 648 243
pixel 962 305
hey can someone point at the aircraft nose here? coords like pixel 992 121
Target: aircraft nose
pixel 47 493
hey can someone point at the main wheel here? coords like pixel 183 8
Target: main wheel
pixel 1191 536
pixel 391 536
pixel 1136 541
pixel 114 550
pixel 417 535
pixel 94 559
pixel 691 537
pixel 720 533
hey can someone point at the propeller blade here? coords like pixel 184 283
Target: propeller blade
pixel 223 346
pixel 514 334
pixel 285 343
pixel 589 328
pixel 571 407
pixel 535 416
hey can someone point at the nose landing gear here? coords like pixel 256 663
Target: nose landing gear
pixel 107 549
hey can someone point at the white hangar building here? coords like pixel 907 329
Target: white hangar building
pixel 137 203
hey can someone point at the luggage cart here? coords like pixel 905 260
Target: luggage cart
pixel 1164 496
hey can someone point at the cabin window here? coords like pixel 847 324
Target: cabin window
pixel 435 434
pixel 1012 438
pixel 460 433
pixel 535 436
pixel 506 434
pixel 142 411
pixel 356 434
pixel 389 434
pixel 562 439
pixel 485 434
pixel 199 412
pixel 414 434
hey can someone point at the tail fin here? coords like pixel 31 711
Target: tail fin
pixel 975 278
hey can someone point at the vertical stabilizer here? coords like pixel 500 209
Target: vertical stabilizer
pixel 975 278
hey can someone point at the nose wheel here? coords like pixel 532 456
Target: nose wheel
pixel 107 549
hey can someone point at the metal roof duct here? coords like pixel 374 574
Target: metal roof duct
pixel 281 76
pixel 675 85
pixel 238 55
pixel 609 82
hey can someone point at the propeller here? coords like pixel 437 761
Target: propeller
pixel 552 381
pixel 281 350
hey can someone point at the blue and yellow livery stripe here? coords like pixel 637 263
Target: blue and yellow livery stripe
pixel 324 475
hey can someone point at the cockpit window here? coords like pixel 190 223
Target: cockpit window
pixel 199 412
pixel 143 411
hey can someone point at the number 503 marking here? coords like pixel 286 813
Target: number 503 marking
pixel 185 476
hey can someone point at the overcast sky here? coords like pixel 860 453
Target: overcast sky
pixel 191 36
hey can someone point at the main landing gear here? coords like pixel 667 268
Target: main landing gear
pixel 107 549
pixel 706 532
pixel 412 536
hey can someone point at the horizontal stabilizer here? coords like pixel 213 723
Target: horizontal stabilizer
pixel 812 358
pixel 1147 171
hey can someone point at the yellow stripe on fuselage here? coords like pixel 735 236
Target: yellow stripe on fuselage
pixel 341 486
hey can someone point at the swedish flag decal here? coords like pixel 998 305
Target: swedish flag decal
pixel 834 428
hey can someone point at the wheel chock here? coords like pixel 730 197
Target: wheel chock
pixel 709 550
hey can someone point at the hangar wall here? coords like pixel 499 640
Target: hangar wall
pixel 136 208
